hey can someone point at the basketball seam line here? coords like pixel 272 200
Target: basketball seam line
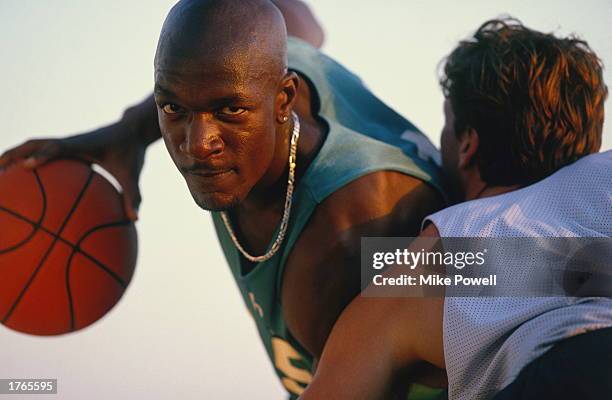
pixel 51 246
pixel 99 265
pixel 74 247
pixel 36 226
pixel 77 249
pixel 42 215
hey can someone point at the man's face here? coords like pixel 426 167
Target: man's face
pixel 450 151
pixel 218 125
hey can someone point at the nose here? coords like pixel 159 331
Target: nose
pixel 203 139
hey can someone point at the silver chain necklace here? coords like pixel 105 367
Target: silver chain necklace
pixel 288 200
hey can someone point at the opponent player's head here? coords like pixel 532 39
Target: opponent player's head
pixel 224 96
pixel 520 104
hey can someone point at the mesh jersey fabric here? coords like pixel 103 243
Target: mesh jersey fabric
pixel 488 340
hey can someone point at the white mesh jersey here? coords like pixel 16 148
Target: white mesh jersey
pixel 488 340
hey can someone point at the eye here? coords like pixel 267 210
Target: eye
pixel 232 111
pixel 170 108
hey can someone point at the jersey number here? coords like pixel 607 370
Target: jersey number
pixel 295 378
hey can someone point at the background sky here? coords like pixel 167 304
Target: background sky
pixel 181 330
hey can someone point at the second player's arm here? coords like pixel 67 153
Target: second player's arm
pixel 375 342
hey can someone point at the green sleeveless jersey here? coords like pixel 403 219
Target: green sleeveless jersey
pixel 364 136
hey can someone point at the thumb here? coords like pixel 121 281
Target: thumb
pixel 131 200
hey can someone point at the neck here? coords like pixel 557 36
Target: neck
pixel 271 192
pixel 273 184
pixel 480 189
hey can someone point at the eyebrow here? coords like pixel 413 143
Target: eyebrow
pixel 232 98
pixel 216 102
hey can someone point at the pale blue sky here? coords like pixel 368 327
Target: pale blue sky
pixel 181 330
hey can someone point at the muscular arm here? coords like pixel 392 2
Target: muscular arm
pixel 323 272
pixel 374 340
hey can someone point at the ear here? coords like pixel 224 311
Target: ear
pixel 468 147
pixel 286 96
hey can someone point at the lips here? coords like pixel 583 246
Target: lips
pixel 210 173
pixel 205 179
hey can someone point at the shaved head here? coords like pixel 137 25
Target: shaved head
pixel 249 34
pixel 225 97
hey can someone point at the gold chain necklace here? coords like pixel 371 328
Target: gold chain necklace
pixel 288 201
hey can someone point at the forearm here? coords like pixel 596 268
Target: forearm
pixel 359 359
pixel 350 378
pixel 374 342
pixel 140 121
pixel 137 128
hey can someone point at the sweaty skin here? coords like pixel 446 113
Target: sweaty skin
pixel 221 110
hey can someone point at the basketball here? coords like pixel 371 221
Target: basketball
pixel 67 249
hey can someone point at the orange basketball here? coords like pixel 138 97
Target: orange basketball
pixel 67 250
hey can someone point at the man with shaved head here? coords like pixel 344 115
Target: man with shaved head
pixel 230 64
pixel 291 153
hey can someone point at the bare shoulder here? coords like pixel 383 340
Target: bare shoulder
pixel 301 22
pixel 398 202
pixel 322 274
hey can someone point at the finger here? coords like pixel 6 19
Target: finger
pixel 22 151
pixel 131 200
pixel 30 162
pixel 43 155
